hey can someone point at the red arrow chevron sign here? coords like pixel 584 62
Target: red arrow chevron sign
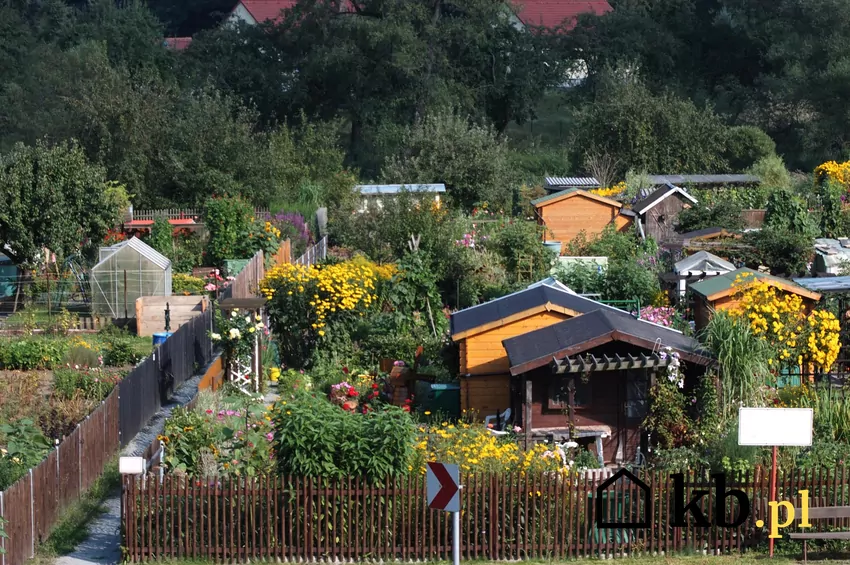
pixel 444 487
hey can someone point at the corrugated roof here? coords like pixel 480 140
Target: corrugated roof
pixel 825 284
pixel 376 189
pixel 552 13
pixel 703 261
pixel 571 182
pixel 658 195
pixel 582 333
pixel 563 193
pixel 526 299
pixel 724 282
pixel 703 179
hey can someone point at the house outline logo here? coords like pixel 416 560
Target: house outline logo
pixel 600 521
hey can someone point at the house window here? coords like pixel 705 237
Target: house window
pixel 637 399
pixel 559 393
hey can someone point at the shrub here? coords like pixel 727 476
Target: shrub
pixel 82 355
pixel 629 280
pixel 186 284
pixel 228 220
pixel 31 353
pixel 306 303
pixel 725 213
pixel 120 352
pixel 787 251
pixel 747 145
pixel 92 383
pixel 161 236
pixel 772 172
pixel 519 244
pixel 314 438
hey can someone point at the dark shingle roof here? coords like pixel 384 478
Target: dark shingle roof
pixel 500 308
pixel 658 195
pixel 704 179
pixel 579 334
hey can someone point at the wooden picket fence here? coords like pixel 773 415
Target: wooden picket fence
pixel 504 517
pixel 31 506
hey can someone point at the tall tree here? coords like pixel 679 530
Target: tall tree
pixel 53 198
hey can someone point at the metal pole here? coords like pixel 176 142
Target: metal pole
pixel 126 315
pixel 456 538
pixel 772 493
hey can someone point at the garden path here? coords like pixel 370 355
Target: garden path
pixel 103 544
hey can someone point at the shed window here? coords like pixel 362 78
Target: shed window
pixel 559 393
pixel 637 399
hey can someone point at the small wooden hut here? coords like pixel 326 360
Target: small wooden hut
pixel 588 378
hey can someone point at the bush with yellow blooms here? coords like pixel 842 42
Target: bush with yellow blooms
pixel 306 302
pixel 780 318
pixel 611 191
pixel 831 170
pixel 476 450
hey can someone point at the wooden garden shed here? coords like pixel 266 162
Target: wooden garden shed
pixel 718 293
pixel 657 214
pixel 588 379
pixel 567 212
pixel 480 330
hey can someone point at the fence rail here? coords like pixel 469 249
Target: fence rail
pixel 504 517
pixel 178 214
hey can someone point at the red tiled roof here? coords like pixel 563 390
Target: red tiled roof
pixel 551 13
pixel 147 223
pixel 178 43
pixel 263 10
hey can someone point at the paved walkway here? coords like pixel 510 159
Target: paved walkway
pixel 103 546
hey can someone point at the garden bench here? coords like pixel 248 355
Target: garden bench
pixel 823 513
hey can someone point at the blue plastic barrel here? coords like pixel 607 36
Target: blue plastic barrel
pixel 160 337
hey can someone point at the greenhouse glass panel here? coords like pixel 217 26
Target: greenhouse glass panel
pixel 146 272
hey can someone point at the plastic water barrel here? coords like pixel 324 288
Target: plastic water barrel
pixel 160 337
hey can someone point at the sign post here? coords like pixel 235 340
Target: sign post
pixel 774 427
pixel 443 493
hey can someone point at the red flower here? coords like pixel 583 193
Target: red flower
pixel 406 408
pixel 209 411
pixel 375 386
pixel 345 370
pixel 352 392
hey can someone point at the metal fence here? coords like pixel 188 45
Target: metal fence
pixel 504 517
pixel 316 253
pixel 142 392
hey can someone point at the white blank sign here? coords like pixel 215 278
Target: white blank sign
pixel 131 465
pixel 775 426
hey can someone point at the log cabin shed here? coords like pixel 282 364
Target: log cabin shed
pixel 568 212
pixel 657 214
pixel 719 293
pixel 479 331
pixel 588 378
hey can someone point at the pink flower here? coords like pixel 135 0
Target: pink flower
pixel 269 436
pixel 230 412
pixel 209 287
pixel 517 429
